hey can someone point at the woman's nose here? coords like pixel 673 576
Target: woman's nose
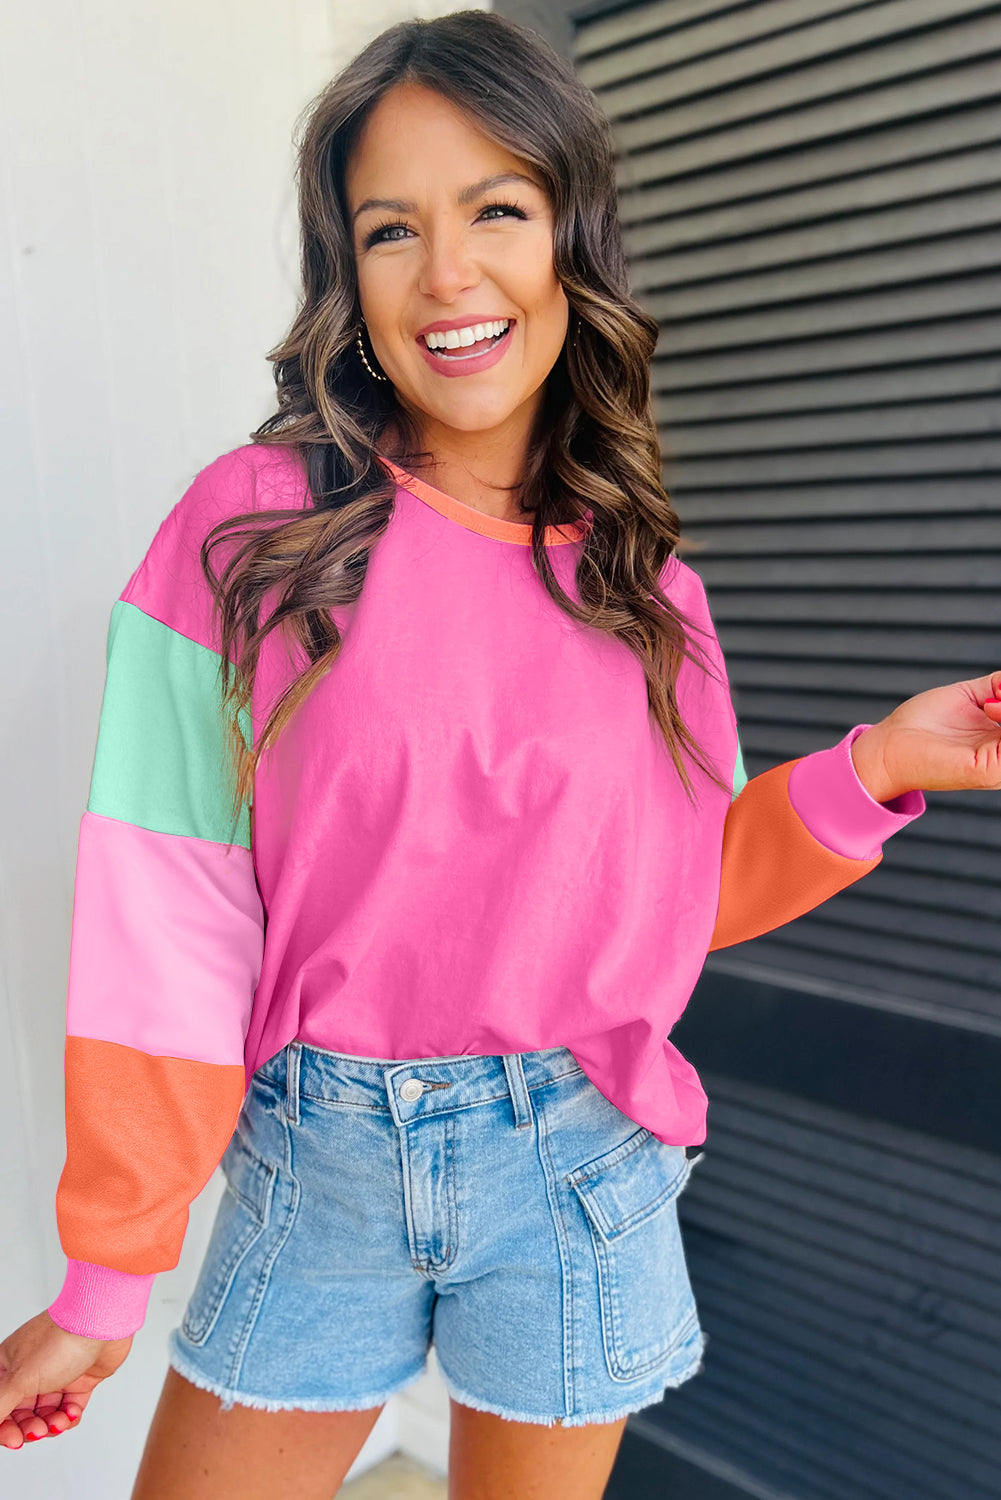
pixel 449 266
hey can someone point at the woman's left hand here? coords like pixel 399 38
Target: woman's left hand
pixel 945 740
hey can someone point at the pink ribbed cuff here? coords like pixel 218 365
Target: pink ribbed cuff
pixel 829 798
pixel 99 1303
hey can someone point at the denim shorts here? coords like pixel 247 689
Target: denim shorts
pixel 499 1207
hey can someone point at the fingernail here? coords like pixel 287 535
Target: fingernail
pixel 32 1437
pixel 55 1431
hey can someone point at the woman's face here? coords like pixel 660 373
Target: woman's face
pixel 444 253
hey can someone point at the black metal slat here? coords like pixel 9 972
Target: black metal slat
pixel 903 422
pixel 888 679
pixel 800 607
pixel 896 202
pixel 865 45
pixel 855 1269
pixel 958 867
pixel 964 1359
pixel 815 1209
pixel 813 955
pixel 809 535
pixel 878 350
pixel 951 1180
pixel 762 335
pixel 876 249
pixel 720 1431
pixel 815 646
pixel 915 496
pixel 946 456
pixel 609 27
pixel 665 262
pixel 795 1303
pixel 692 27
pixel 921 925
pixel 902 964
pixel 768 1368
pixel 938 385
pixel 833 1397
pixel 811 205
pixel 888 1450
pixel 826 1274
pixel 916 896
pixel 643 118
pixel 775 179
pixel 953 570
pixel 654 152
pixel 850 1188
pixel 828 714
pixel 739 1408
pixel 822 281
pixel 745 1292
pixel 744 1101
pixel 945 823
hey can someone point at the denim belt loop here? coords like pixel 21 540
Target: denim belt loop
pixel 292 1053
pixel 515 1071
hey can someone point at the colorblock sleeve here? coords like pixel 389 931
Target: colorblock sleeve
pixel 165 950
pixel 800 832
pixel 796 835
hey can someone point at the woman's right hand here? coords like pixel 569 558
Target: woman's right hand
pixel 47 1377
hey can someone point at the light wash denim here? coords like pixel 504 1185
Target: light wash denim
pixel 499 1207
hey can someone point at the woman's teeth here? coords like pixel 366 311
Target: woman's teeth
pixel 463 338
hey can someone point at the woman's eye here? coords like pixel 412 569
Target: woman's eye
pixel 379 235
pixel 508 208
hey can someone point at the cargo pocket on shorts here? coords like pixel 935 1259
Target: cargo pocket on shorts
pixel 242 1216
pixel 647 1306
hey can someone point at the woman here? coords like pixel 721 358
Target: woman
pixel 415 992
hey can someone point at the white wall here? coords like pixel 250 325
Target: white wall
pixel 149 261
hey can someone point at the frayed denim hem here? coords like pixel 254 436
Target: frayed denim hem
pixel 229 1397
pixel 580 1419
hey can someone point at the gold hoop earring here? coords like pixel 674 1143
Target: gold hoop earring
pixel 374 373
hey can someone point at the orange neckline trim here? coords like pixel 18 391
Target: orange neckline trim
pixel 476 520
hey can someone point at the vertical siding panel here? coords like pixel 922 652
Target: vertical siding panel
pixel 148 245
pixel 809 195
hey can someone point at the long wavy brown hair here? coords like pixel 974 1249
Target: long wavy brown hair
pixel 595 447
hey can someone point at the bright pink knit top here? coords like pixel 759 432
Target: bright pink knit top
pixel 470 839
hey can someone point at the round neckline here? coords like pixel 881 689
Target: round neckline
pixel 477 520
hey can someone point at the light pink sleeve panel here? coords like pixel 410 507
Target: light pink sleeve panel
pixel 170 584
pixel 99 1303
pixel 166 943
pixel 828 796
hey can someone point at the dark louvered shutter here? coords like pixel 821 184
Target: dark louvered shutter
pixel 847 1272
pixel 812 200
pixel 811 196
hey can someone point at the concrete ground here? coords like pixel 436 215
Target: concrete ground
pixel 396 1478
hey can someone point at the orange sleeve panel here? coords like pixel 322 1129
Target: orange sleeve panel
pixel 773 869
pixel 144 1135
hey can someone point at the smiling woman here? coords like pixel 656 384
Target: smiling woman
pixel 461 243
pixel 458 173
pixel 411 824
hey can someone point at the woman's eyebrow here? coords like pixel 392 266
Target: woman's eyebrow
pixel 467 195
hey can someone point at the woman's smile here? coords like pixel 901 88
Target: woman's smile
pixel 481 353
